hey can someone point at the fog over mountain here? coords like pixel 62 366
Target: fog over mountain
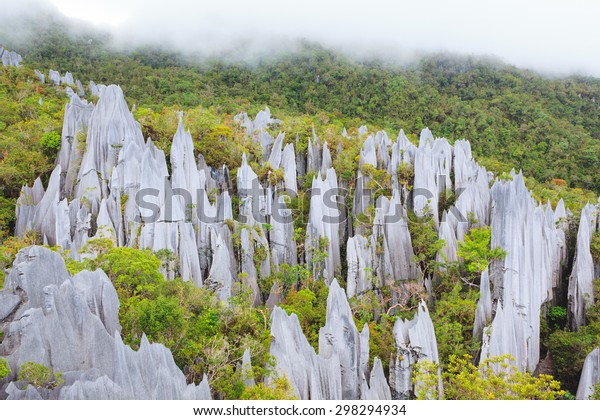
pixel 551 37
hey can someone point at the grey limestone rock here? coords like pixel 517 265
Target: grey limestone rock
pixel 10 58
pixel 71 326
pixel 75 124
pixel 377 388
pixel 220 278
pixel 67 79
pixel 288 164
pixel 9 303
pixel 415 340
pixel 340 337
pixel 360 262
pixel 483 314
pixel 580 293
pixel 275 157
pixel 40 76
pixel 590 375
pixel 324 220
pixel 94 89
pixel 397 244
pixel 111 128
pixel 79 86
pixel 100 296
pixel 310 376
pixel 245 369
pixel 281 235
pixel 523 281
pixel 248 240
pixel 26 206
pixel 340 370
pixel 54 77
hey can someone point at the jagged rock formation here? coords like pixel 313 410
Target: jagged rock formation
pixel 525 279
pixel 111 183
pixel 590 375
pixel 311 377
pixel 483 314
pixel 323 233
pixel 415 341
pixel 244 369
pixel 262 120
pixel 10 58
pixel 340 370
pixel 581 292
pixel 71 325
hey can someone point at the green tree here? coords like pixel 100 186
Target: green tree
pixel 310 305
pixel 280 389
pixel 50 143
pixel 476 250
pixel 494 379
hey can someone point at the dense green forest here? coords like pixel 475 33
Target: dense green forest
pixel 549 128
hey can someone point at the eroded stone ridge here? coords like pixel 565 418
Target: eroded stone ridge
pixel 71 325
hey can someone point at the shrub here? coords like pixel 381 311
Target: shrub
pixel 281 389
pixel 595 246
pixel 40 376
pixel 310 305
pixel 50 143
pixel 4 368
pixel 569 350
pixel 494 379
pixel 557 317
pixel 476 251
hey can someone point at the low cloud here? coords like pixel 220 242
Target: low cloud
pixel 553 37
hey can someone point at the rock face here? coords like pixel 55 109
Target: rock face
pixel 311 376
pixel 581 291
pixel 483 314
pixel 415 341
pixel 323 230
pixel 340 370
pixel 590 375
pixel 10 58
pixel 111 183
pixel 524 280
pixel 71 326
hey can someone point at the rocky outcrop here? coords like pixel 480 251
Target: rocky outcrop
pixel 311 377
pixel 10 58
pixel 75 125
pixel 323 233
pixel 590 375
pixel 415 341
pixel 524 279
pixel 483 313
pixel 71 325
pixel 339 339
pixel 110 183
pixel 581 292
pixel 340 369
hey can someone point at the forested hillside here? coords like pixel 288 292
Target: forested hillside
pixel 513 118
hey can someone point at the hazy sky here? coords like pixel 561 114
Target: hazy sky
pixel 549 36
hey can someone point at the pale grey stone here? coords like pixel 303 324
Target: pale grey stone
pixel 71 326
pixel 54 77
pixel 590 375
pixel 415 340
pixel 40 76
pixel 580 291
